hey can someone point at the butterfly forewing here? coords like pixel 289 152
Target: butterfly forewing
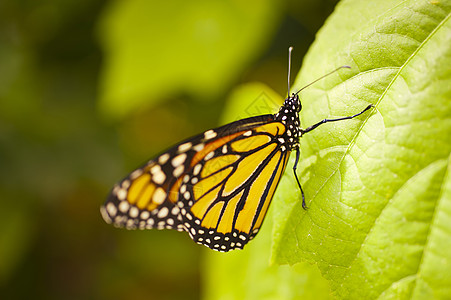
pixel 217 186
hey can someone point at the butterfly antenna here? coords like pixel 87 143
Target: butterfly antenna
pixel 322 77
pixel 289 69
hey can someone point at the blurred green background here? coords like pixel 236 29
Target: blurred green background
pixel 89 90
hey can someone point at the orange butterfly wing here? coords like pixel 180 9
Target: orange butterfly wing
pixel 217 186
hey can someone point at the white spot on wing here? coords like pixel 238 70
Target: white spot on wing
pixel 105 215
pixel 163 212
pixel 178 171
pixel 178 160
pixel 163 158
pixel 155 169
pixel 199 147
pixel 134 212
pixel 125 184
pixel 185 147
pixel 175 210
pixel 111 209
pixel 145 215
pixel 123 206
pixel 135 174
pixel 209 155
pixel 186 178
pixel 197 169
pixel 121 194
pixel 159 195
pixel 159 177
pixel 209 134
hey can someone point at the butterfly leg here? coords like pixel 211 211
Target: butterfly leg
pixel 304 206
pixel 333 120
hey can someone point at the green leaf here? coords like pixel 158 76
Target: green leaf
pixel 378 186
pixel 197 47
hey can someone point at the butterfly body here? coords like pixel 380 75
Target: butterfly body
pixel 216 186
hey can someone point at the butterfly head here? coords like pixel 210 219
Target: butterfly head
pixel 291 105
pixel 289 116
pixel 296 102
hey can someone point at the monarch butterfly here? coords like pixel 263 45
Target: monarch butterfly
pixel 216 186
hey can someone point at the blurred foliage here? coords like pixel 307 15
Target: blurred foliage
pixel 205 45
pixel 60 154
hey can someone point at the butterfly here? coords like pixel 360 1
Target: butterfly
pixel 217 186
